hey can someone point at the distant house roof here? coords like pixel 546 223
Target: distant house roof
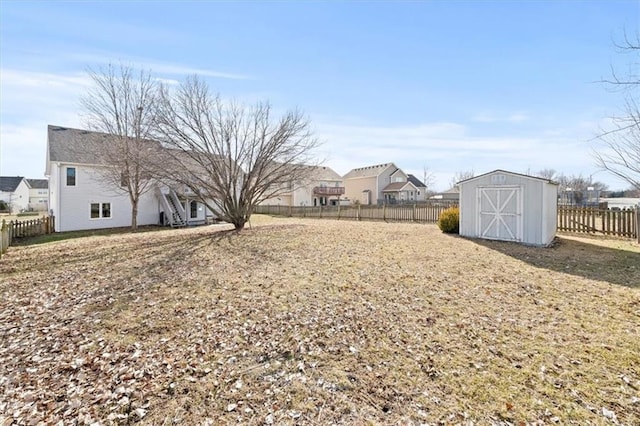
pixel 9 183
pixel 397 186
pixel 38 183
pixel 452 193
pixel 415 181
pixel 325 173
pixel 369 171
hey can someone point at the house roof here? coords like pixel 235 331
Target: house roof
pixel 9 183
pixel 452 190
pixel 397 186
pixel 75 145
pixel 38 183
pixel 415 181
pixel 509 173
pixel 324 173
pixel 369 171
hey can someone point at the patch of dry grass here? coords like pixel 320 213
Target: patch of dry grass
pixel 318 322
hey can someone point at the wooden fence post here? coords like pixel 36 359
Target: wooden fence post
pixel 358 211
pixel 638 223
pixel 2 232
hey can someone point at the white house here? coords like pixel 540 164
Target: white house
pixel 38 194
pixel 322 186
pixel 14 191
pixel 508 206
pixel 80 198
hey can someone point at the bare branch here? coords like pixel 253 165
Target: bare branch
pixel 230 155
pixel 122 104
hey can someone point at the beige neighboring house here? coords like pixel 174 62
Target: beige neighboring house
pixel 38 194
pixel 382 184
pixel 323 187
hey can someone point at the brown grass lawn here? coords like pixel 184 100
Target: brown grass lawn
pixel 319 322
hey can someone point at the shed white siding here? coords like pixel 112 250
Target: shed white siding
pixel 527 211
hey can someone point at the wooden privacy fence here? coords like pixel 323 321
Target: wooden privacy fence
pixel 391 213
pixel 622 223
pixel 11 230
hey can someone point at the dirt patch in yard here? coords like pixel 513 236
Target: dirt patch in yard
pixel 316 322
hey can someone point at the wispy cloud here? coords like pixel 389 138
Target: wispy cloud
pixel 156 66
pixel 447 148
pixel 492 117
pixel 184 70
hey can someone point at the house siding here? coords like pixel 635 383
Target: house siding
pixel 354 188
pixel 71 204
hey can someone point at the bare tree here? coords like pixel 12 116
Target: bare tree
pixel 549 174
pixel 462 175
pixel 428 178
pixel 230 155
pixel 122 104
pixel 619 151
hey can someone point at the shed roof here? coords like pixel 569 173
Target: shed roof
pixel 10 183
pixel 369 171
pixel 509 173
pixel 38 183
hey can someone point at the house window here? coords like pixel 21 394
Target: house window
pixel 71 176
pixel 100 210
pixel 193 207
pixel 124 179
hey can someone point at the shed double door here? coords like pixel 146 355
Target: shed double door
pixel 500 213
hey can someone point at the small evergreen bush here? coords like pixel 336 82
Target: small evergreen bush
pixel 449 220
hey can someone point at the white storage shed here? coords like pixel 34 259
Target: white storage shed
pixel 502 205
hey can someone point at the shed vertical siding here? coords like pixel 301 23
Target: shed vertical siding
pixel 539 206
pixel 550 218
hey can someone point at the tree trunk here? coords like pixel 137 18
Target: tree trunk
pixel 134 216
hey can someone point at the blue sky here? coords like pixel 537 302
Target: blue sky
pixel 451 85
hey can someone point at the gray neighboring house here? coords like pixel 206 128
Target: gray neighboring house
pixel 422 188
pixel 451 194
pixel 15 192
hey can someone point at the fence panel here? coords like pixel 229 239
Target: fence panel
pixel 428 213
pixel 10 231
pixel 621 223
